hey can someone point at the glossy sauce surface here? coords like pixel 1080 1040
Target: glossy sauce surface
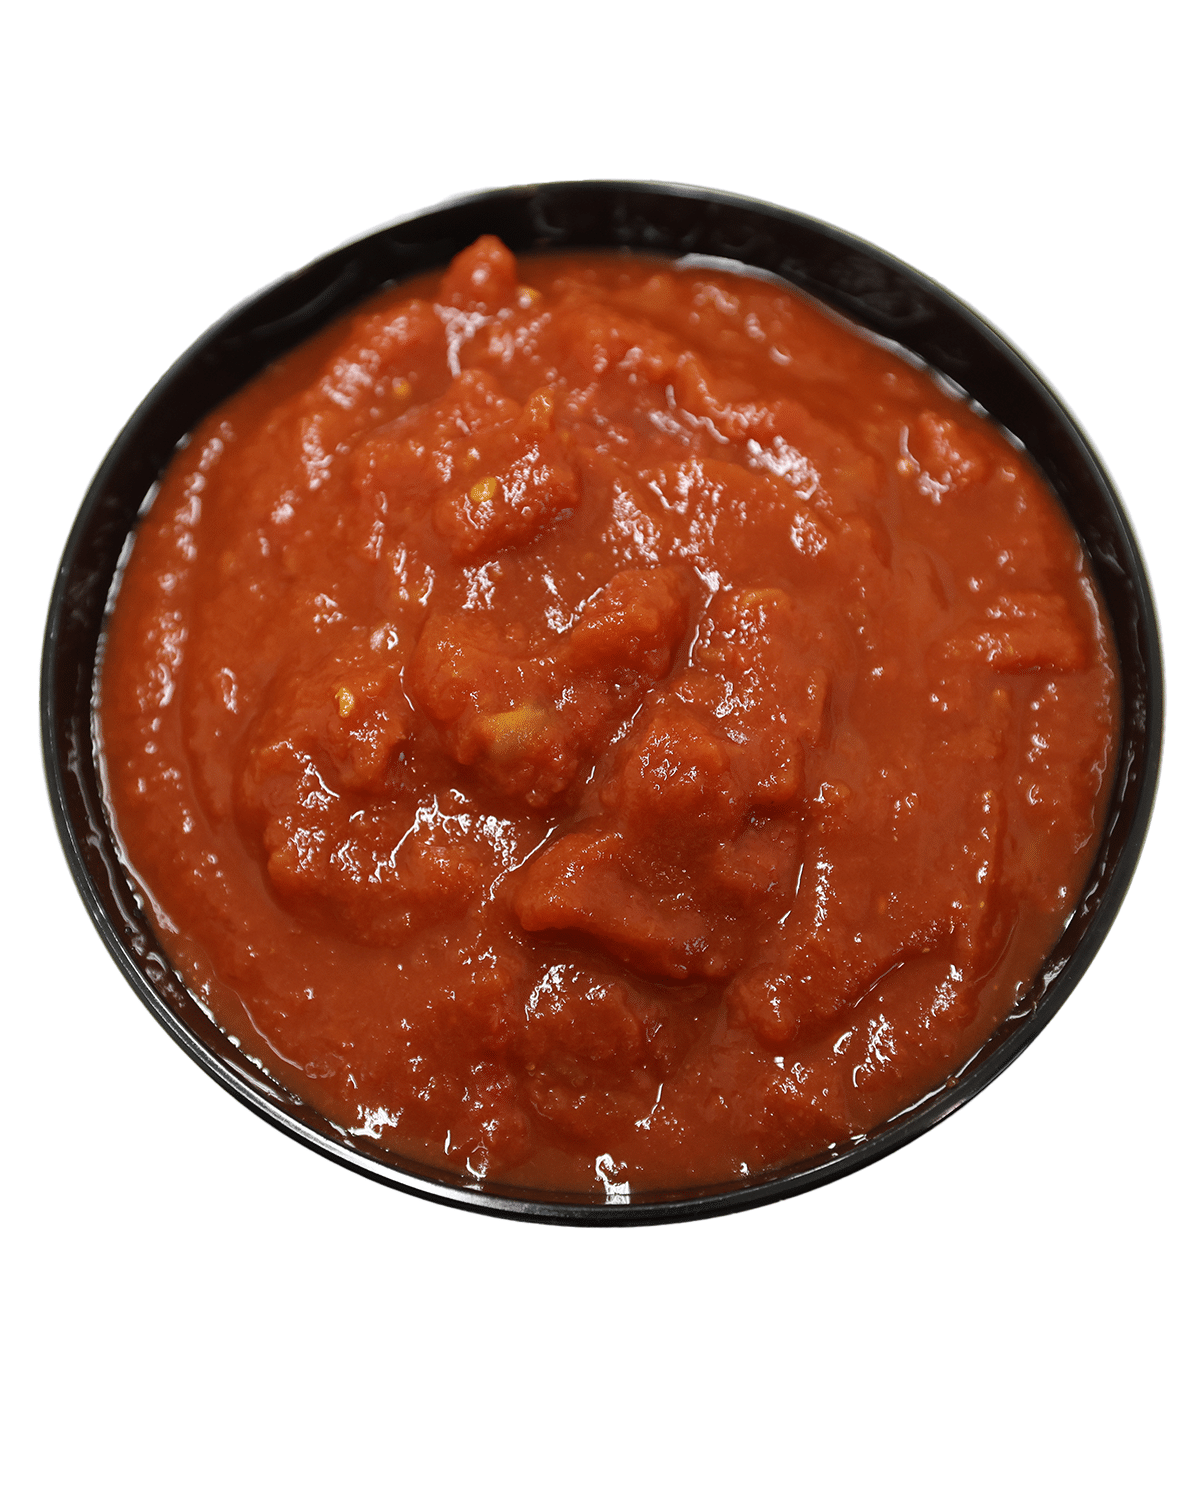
pixel 604 724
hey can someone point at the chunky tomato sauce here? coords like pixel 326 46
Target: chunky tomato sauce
pixel 605 724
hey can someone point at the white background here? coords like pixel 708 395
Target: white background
pixel 198 1306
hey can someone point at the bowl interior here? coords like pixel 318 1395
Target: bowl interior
pixel 856 279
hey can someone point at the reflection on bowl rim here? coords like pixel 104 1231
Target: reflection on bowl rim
pixel 856 279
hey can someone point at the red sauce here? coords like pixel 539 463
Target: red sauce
pixel 601 722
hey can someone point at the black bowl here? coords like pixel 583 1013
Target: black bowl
pixel 851 276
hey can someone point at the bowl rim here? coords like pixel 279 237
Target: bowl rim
pixel 63 760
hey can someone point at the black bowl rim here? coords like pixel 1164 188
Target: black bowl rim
pixel 687 1204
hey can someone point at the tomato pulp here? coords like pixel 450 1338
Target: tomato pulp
pixel 605 724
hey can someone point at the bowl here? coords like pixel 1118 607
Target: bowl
pixel 853 277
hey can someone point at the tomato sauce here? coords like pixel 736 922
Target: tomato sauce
pixel 605 724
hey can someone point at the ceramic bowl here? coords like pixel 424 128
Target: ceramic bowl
pixel 859 281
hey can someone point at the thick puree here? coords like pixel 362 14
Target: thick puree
pixel 605 724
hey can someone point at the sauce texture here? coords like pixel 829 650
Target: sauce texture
pixel 605 724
